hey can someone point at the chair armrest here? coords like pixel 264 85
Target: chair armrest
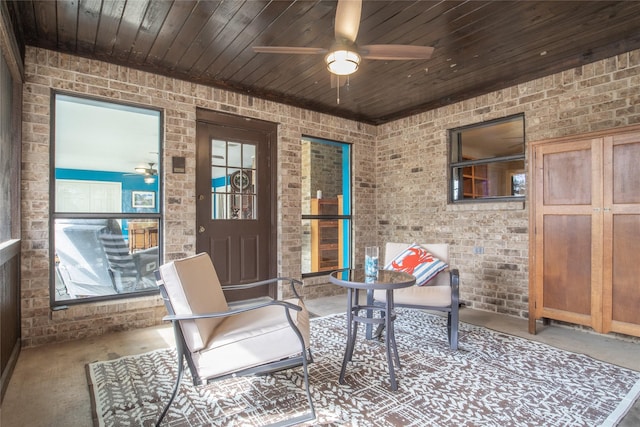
pixel 292 282
pixel 146 261
pixel 149 251
pixel 178 317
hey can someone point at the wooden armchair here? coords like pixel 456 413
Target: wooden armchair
pixel 440 294
pixel 219 340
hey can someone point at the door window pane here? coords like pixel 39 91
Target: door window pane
pixel 233 180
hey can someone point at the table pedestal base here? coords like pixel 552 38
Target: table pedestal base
pixel 387 317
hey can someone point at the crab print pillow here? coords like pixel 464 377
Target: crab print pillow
pixel 418 261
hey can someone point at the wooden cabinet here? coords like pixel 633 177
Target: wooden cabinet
pixel 585 231
pixel 326 235
pixel 474 181
pixel 142 235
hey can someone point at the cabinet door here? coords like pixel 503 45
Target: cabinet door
pixel 621 280
pixel 568 232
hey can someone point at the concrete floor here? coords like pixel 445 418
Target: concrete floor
pixel 49 387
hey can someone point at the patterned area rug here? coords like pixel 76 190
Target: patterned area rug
pixel 493 380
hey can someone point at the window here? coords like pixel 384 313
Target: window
pixel 487 161
pixel 326 206
pixel 233 180
pixel 105 229
pixel 9 158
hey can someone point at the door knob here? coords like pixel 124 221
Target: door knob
pixel 201 229
pixel 200 197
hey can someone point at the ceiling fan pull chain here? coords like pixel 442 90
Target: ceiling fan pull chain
pixel 338 91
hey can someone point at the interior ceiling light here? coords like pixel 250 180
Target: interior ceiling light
pixel 149 173
pixel 342 62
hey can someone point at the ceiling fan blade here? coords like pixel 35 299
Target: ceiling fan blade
pixel 394 52
pixel 348 19
pixel 290 50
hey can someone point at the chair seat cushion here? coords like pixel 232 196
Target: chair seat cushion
pixel 429 296
pixel 251 339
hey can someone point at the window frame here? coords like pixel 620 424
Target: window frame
pixel 454 138
pixel 54 215
pixel 347 185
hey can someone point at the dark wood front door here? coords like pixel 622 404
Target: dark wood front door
pixel 234 193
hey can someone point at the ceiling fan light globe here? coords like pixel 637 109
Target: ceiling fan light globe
pixel 342 62
pixel 141 170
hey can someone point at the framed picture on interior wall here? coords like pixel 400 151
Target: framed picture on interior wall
pixel 143 199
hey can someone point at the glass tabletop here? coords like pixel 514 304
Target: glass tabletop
pixel 386 279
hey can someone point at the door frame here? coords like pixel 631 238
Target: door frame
pixel 270 132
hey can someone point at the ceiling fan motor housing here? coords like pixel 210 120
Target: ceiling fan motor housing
pixel 343 58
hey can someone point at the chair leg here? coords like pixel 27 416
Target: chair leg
pixel 178 379
pixel 452 326
pixel 378 332
pixel 380 329
pixel 305 368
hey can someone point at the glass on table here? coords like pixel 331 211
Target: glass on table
pixel 371 266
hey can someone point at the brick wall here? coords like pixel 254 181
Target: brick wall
pixel 408 202
pixel 411 194
pixel 47 70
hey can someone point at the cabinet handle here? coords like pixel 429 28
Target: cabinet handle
pixel 607 209
pixel 596 209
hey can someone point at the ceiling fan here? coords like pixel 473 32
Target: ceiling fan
pixel 149 173
pixel 344 56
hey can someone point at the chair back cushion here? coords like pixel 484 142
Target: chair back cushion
pixel 193 287
pixel 438 250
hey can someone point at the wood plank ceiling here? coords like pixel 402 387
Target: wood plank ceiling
pixel 480 46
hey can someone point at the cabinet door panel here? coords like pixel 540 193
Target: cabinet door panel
pixel 567 263
pixel 626 173
pixel 626 269
pixel 567 178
